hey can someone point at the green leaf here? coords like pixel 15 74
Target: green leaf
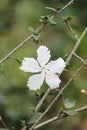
pixel 22 122
pixel 47 19
pixel 69 103
pixel 16 59
pixel 34 118
pixel 36 37
pixel 50 8
pixel 31 29
pixel 52 22
pixel 66 19
pixel 70 112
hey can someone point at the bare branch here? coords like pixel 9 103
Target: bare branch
pixel 71 79
pixel 3 122
pixel 81 109
pixel 24 127
pixel 71 2
pixel 58 95
pixel 67 61
pixel 76 46
pixel 78 57
pixel 39 29
pixel 71 29
pixel 42 100
pixel 16 48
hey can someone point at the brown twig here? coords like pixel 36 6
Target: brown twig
pixel 58 95
pixel 48 91
pixel 71 29
pixel 71 79
pixel 71 2
pixel 67 61
pixel 81 109
pixel 3 122
pixel 78 57
pixel 42 100
pixel 76 45
pixel 15 49
pixel 38 30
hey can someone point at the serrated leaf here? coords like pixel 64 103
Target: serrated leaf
pixel 69 103
pixel 34 118
pixel 71 112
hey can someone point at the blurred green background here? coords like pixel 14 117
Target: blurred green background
pixel 16 100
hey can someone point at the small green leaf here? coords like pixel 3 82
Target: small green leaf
pixel 52 22
pixel 47 19
pixel 50 8
pixel 66 19
pixel 22 122
pixel 69 103
pixel 70 112
pixel 34 118
pixel 36 37
pixel 31 29
pixel 16 59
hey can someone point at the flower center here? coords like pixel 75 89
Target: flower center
pixel 43 68
pixel 46 72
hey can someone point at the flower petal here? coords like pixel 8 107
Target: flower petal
pixel 35 81
pixel 43 55
pixel 56 66
pixel 30 65
pixel 52 80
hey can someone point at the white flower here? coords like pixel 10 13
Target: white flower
pixel 48 71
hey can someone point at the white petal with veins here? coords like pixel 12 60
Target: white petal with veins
pixel 52 80
pixel 30 65
pixel 35 81
pixel 56 66
pixel 43 55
